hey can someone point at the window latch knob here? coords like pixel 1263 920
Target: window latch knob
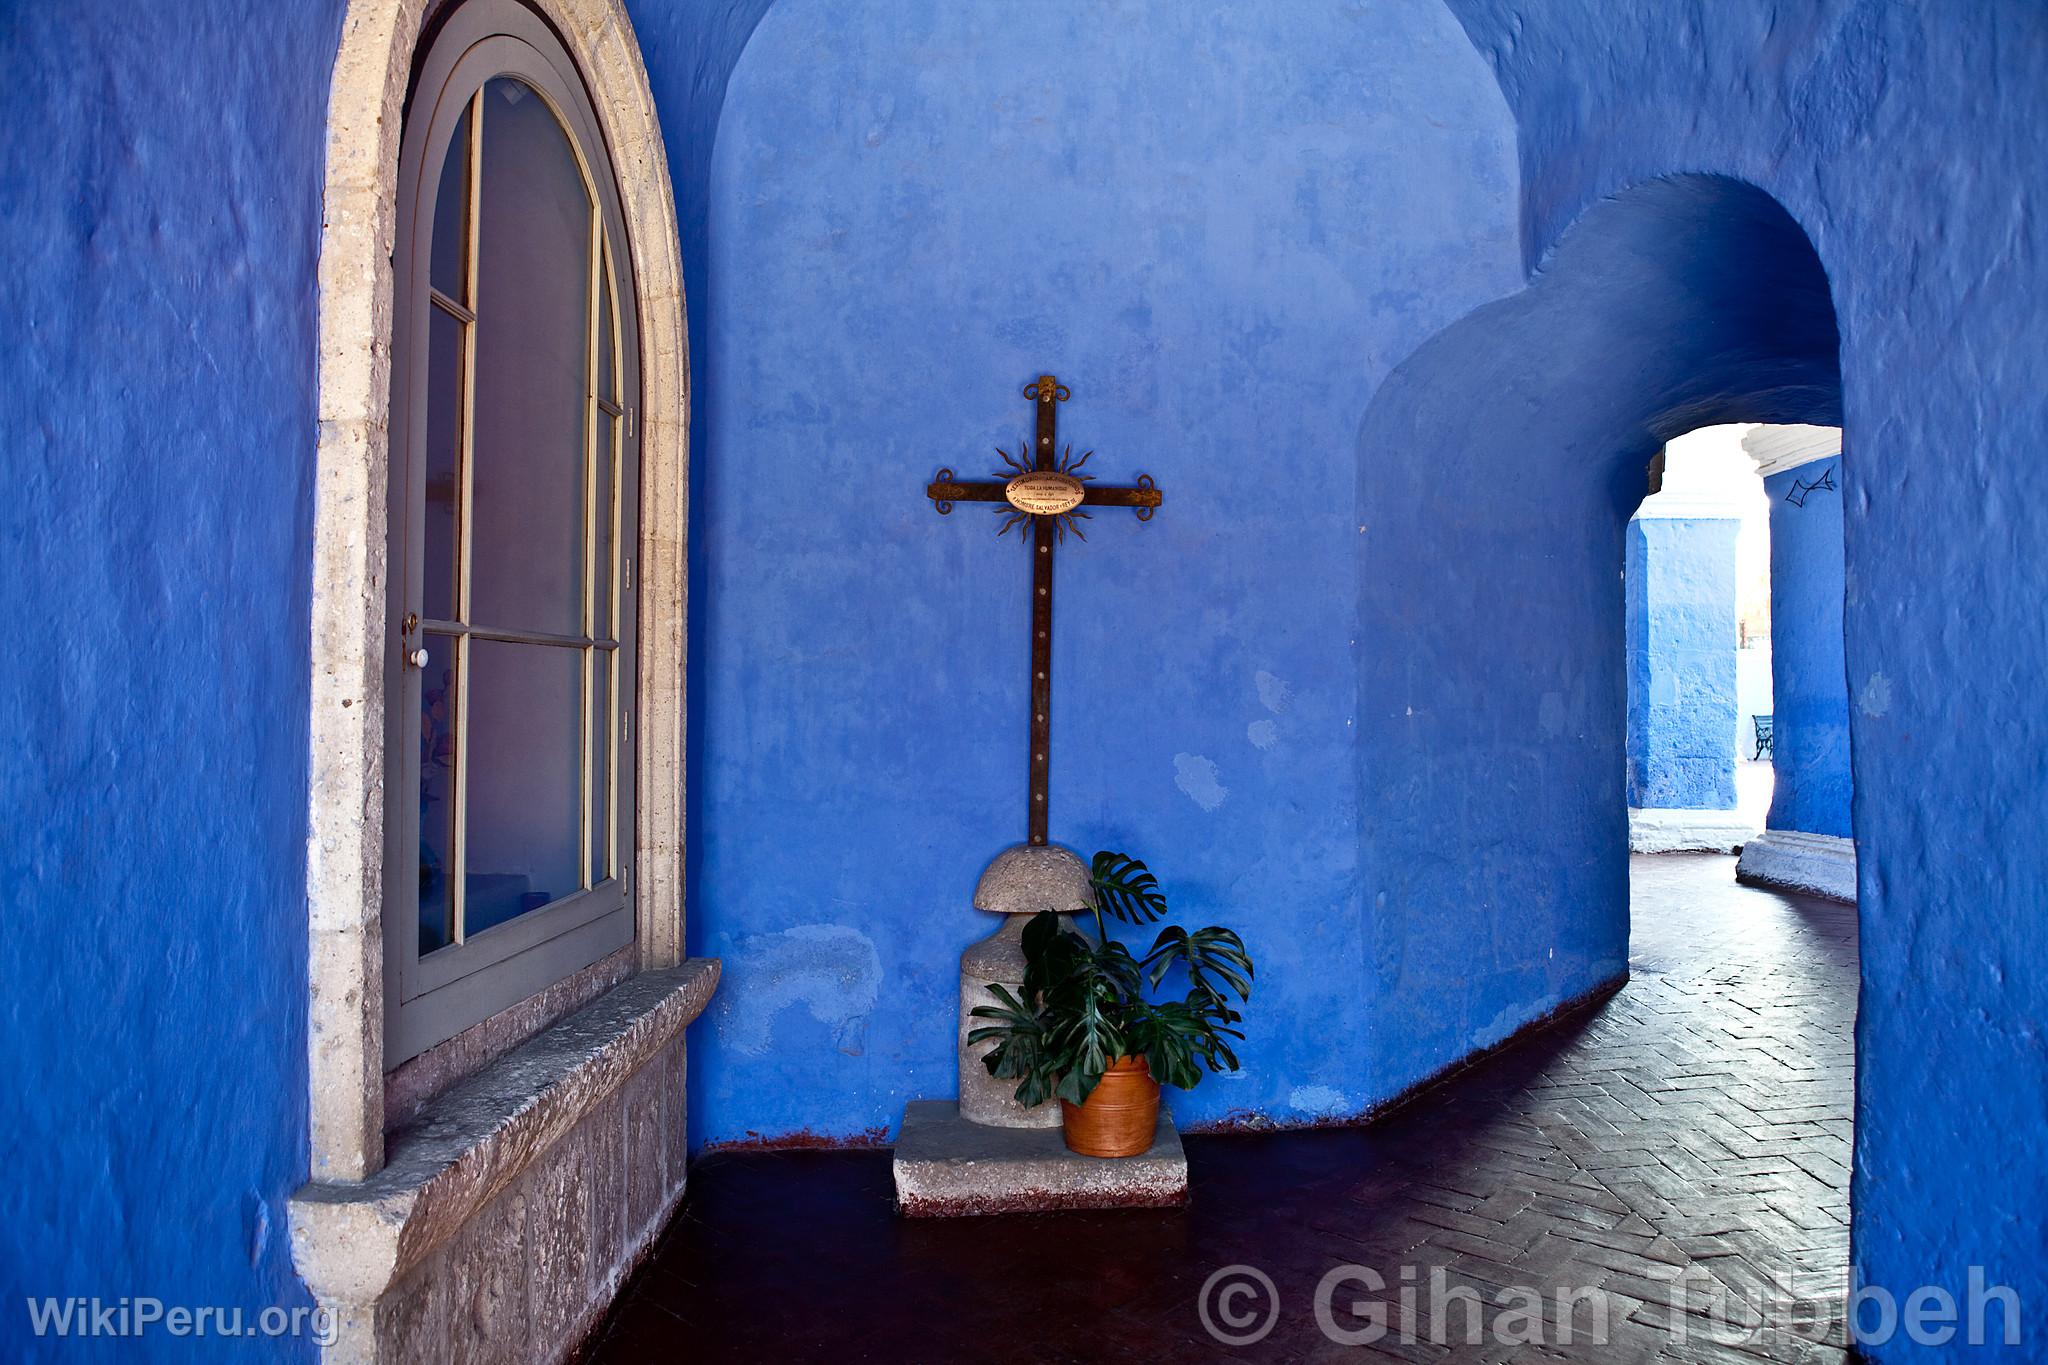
pixel 418 658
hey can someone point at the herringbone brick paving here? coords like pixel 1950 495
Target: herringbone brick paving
pixel 1692 1131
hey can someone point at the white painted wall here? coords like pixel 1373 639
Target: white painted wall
pixel 1752 693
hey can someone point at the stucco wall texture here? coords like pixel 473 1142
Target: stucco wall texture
pixel 1358 689
pixel 159 218
pixel 1810 738
pixel 1682 664
pixel 159 213
pixel 1681 637
pixel 915 209
pixel 1492 699
pixel 1896 136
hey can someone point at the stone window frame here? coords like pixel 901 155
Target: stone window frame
pixel 349 625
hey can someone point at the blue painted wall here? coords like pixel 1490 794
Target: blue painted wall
pixel 1227 234
pixel 690 51
pixel 159 217
pixel 1901 137
pixel 1810 695
pixel 1498 468
pixel 1681 633
pixel 1221 225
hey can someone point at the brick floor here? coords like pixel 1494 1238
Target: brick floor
pixel 1693 1130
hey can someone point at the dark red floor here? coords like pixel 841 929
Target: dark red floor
pixel 1697 1121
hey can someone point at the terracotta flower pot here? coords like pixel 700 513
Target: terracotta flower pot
pixel 1120 1115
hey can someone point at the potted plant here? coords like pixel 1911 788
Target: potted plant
pixel 1084 1029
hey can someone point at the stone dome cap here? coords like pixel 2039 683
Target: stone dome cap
pixel 1025 879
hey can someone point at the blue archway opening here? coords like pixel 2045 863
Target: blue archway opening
pixel 1498 469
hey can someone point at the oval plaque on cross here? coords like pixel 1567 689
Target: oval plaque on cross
pixel 1043 493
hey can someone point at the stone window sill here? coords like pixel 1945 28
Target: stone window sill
pixel 352 1241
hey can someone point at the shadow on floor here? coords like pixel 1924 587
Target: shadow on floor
pixel 1688 1139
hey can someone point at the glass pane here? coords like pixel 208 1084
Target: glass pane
pixel 533 312
pixel 443 459
pixel 524 793
pixel 451 237
pixel 602 735
pixel 607 455
pixel 437 792
pixel 607 382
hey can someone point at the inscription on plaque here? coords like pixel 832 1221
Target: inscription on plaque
pixel 1044 493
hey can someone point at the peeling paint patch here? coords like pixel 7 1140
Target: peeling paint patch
pixel 1275 694
pixel 830 969
pixel 1321 1100
pixel 1196 777
pixel 1509 1021
pixel 259 1225
pixel 1877 696
pixel 803 1140
pixel 1252 1121
pixel 1262 733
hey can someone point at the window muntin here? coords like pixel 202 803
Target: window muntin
pixel 513 515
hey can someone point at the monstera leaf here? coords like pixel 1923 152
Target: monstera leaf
pixel 1052 953
pixel 1085 1036
pixel 1020 1051
pixel 1214 958
pixel 1126 888
pixel 1178 1034
pixel 1084 1005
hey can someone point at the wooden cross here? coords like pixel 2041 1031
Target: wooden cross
pixel 1044 492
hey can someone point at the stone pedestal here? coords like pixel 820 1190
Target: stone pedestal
pixel 947 1167
pixel 1022 881
pixel 999 958
pixel 986 1153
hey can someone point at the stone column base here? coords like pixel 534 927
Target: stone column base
pixel 1810 864
pixel 999 958
pixel 1659 830
pixel 1021 882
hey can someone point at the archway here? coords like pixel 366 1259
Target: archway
pixel 1500 466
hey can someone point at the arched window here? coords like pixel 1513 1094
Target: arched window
pixel 514 502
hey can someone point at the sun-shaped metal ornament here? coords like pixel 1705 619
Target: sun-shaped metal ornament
pixel 1057 493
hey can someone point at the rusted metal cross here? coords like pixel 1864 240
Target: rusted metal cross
pixel 1043 494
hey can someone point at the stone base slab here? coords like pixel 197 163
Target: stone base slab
pixel 1659 830
pixel 947 1167
pixel 1810 864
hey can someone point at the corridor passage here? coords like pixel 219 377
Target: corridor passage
pixel 1688 1138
